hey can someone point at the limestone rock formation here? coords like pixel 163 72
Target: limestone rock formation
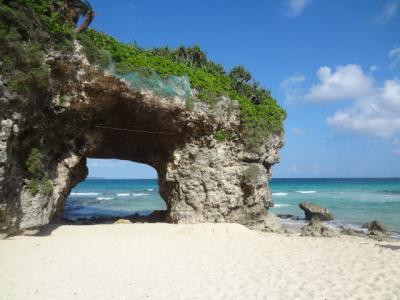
pixel 57 110
pixel 92 114
pixel 315 212
pixel 316 228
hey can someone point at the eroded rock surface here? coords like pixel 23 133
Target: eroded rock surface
pixel 316 228
pixel 91 114
pixel 314 212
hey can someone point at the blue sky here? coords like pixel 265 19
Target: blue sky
pixel 333 65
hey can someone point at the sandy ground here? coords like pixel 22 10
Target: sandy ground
pixel 208 261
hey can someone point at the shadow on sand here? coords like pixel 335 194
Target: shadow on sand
pixel 158 216
pixel 391 247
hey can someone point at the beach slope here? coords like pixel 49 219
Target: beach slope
pixel 204 261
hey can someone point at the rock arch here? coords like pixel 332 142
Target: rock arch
pixel 93 114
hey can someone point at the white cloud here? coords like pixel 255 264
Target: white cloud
pixel 296 7
pixel 375 107
pixel 377 114
pixel 388 12
pixel 294 168
pixel 298 131
pixel 396 151
pixel 291 88
pixel 373 68
pixel 394 55
pixel 344 83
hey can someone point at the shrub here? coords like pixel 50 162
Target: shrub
pixel 30 27
pixel 46 186
pixel 251 173
pixel 221 136
pixel 39 181
pixel 27 29
pixel 33 186
pixel 34 162
pixel 260 114
pixel 94 54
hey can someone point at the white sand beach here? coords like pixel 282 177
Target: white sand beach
pixel 205 261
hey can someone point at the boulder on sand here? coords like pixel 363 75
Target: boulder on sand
pixel 317 229
pixel 314 212
pixel 376 229
pixel 123 221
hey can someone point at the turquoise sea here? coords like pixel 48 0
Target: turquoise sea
pixel 352 201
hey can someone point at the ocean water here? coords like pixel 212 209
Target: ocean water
pixel 352 201
pixel 113 197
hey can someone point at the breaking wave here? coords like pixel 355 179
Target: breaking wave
pixel 104 198
pixel 85 194
pixel 306 192
pixel 279 194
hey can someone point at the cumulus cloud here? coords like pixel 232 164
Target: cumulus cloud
pixel 388 12
pixel 374 107
pixel 394 55
pixel 291 88
pixel 296 7
pixel 298 131
pixel 377 114
pixel 344 82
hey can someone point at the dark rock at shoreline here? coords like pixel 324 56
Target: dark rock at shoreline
pixel 375 226
pixel 288 216
pixel 376 229
pixel 314 212
pixel 317 229
pixel 157 216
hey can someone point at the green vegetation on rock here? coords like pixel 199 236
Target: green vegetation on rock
pixel 39 181
pixel 251 173
pixel 221 136
pixel 29 28
pixel 260 113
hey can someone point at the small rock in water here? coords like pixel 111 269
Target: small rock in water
pixel 122 221
pixel 315 212
pixel 287 216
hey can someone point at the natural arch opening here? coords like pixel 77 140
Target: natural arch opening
pixel 205 171
pixel 116 189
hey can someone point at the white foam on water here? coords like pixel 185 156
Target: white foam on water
pixel 85 194
pixel 104 198
pixel 139 194
pixel 150 190
pixel 123 194
pixel 306 192
pixel 281 205
pixel 279 194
